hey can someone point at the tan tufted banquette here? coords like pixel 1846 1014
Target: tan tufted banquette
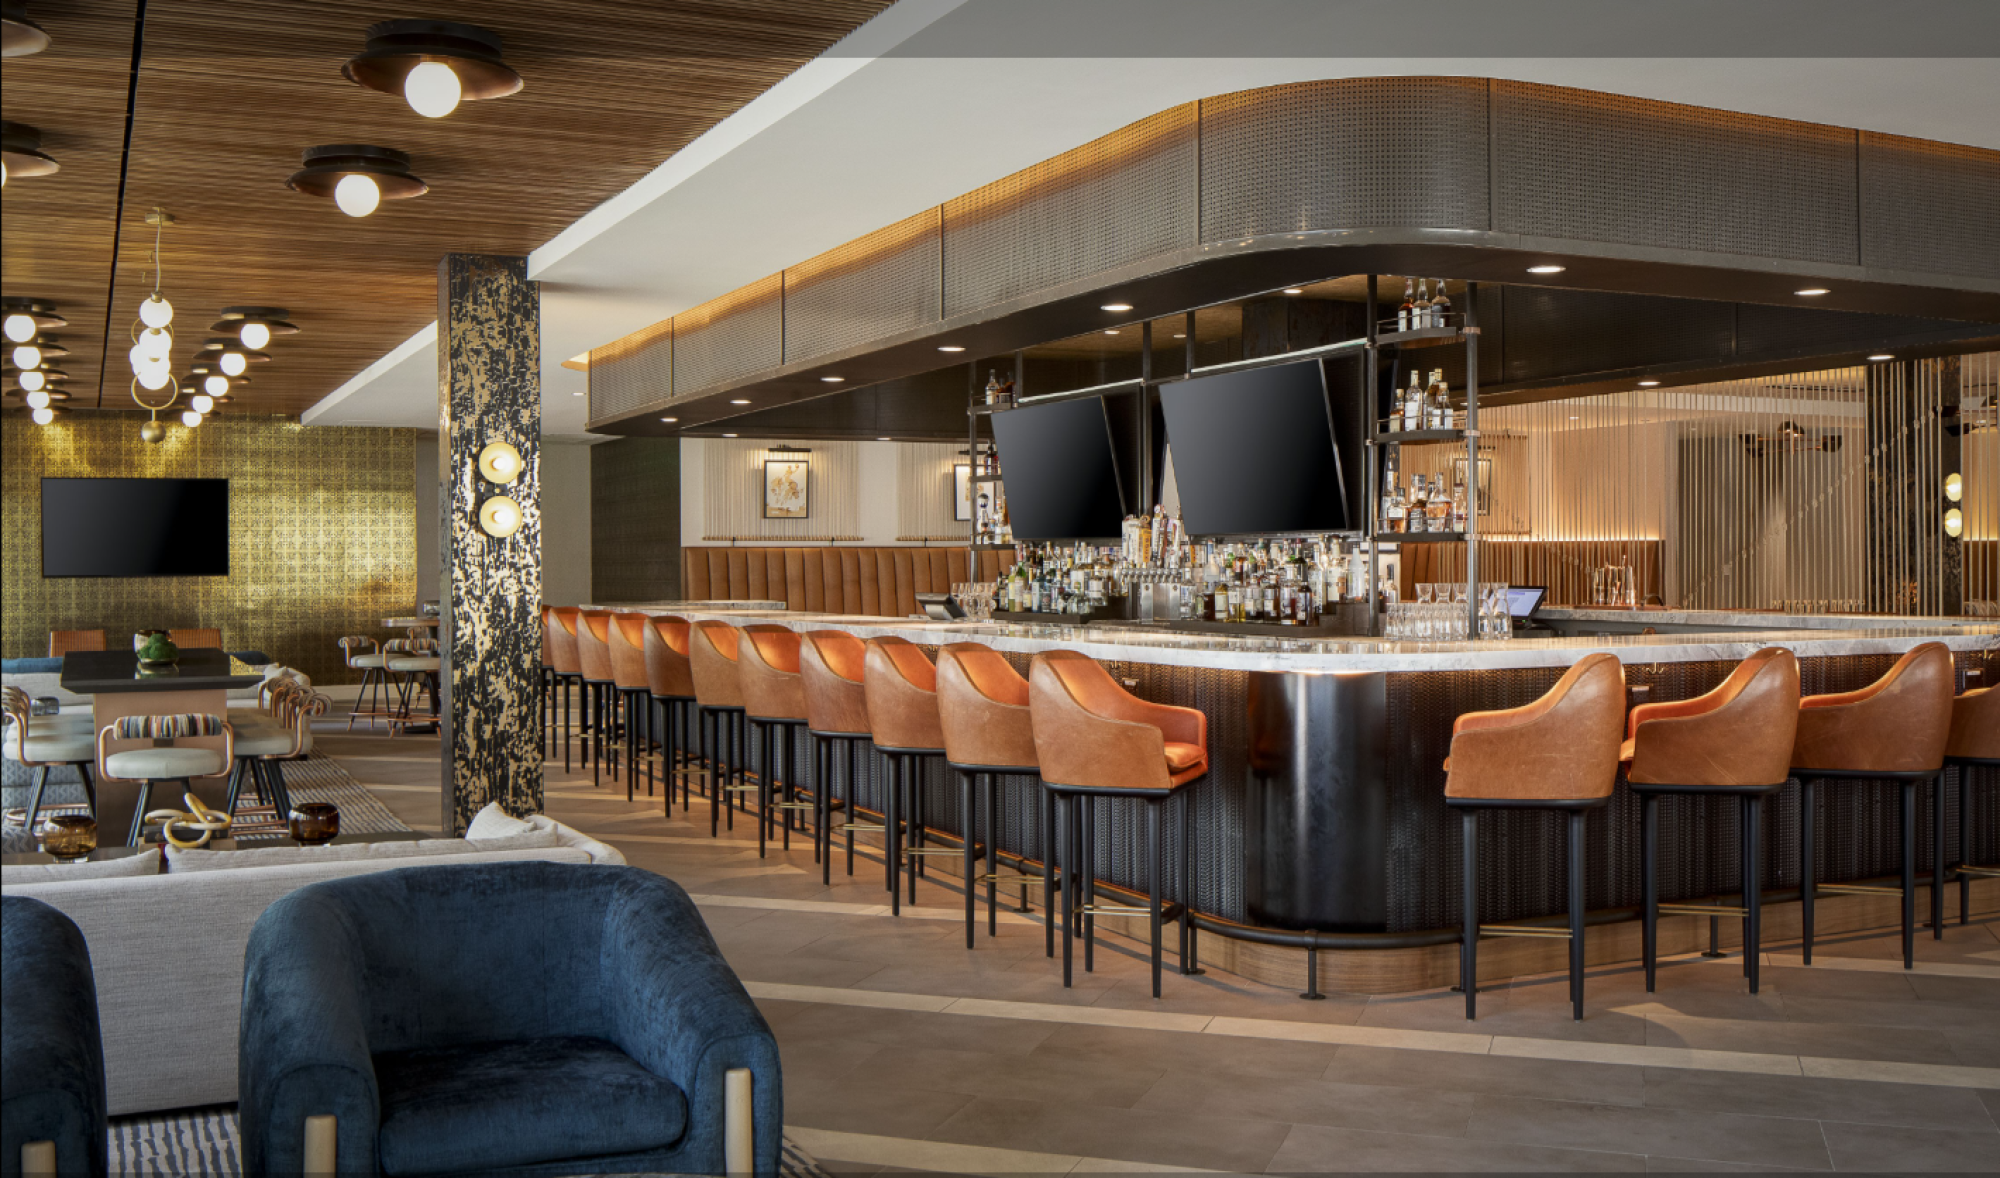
pixel 883 582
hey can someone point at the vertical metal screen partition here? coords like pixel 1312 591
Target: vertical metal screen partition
pixel 1813 492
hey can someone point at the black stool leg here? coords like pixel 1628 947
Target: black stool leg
pixel 1156 877
pixel 1049 871
pixel 562 684
pixel 853 795
pixel 1964 842
pixel 1089 882
pixel 281 796
pixel 1071 888
pixel 1468 950
pixel 1576 913
pixel 139 813
pixel 235 787
pixel 1909 874
pixel 1189 933
pixel 1649 880
pixel 708 722
pixel 893 834
pixel 971 829
pixel 1806 868
pixel 1937 857
pixel 35 799
pixel 1753 887
pixel 89 785
pixel 992 854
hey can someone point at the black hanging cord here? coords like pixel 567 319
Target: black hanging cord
pixel 124 167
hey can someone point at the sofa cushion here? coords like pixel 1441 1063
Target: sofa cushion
pixel 144 863
pixel 484 1106
pixel 493 822
pixel 179 860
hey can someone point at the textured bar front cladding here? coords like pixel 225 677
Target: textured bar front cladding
pixel 489 390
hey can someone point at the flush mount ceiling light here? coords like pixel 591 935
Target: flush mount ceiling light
pixel 670 420
pixel 433 64
pixel 950 348
pixel 729 435
pixel 21 153
pixel 1812 291
pixel 740 401
pixel 19 36
pixel 1293 290
pixel 254 326
pixel 356 176
pixel 1116 307
pixel 1649 384
pixel 1549 268
pixel 1881 356
pixel 833 379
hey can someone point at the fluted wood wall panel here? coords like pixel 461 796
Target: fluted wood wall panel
pixel 733 492
pixel 924 492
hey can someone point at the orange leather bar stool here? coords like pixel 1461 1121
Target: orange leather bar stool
pixel 559 630
pixel 1559 753
pixel 61 642
pixel 671 684
pixel 627 640
pixel 1974 743
pixel 832 669
pixel 545 682
pixel 1735 741
pixel 901 688
pixel 774 707
pixel 718 690
pixel 600 689
pixel 1894 729
pixel 983 704
pixel 362 653
pixel 1093 739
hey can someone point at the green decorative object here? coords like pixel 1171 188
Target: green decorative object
pixel 156 651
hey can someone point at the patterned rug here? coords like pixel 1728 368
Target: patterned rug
pixel 203 1142
pixel 316 779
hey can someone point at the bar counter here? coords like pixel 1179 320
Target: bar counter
pixel 1322 822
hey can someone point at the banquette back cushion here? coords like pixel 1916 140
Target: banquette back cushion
pixel 883 582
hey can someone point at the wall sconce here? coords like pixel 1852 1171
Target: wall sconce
pixel 499 463
pixel 1954 523
pixel 500 517
pixel 1954 487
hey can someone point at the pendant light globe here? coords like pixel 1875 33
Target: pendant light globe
pixel 432 89
pixel 254 335
pixel 20 327
pixel 190 418
pixel 32 380
pixel 215 386
pixel 155 379
pixel 357 195
pixel 233 363
pixel 44 415
pixel 156 312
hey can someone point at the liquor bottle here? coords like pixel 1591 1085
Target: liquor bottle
pixel 1414 514
pixel 1441 307
pixel 1439 507
pixel 1458 507
pixel 1413 405
pixel 1443 401
pixel 1395 512
pixel 1409 307
pixel 1421 316
pixel 1159 536
pixel 992 387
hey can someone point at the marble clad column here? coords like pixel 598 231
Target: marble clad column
pixel 489 390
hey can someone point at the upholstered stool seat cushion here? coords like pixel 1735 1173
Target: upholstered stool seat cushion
pixel 260 741
pixel 1183 757
pixel 63 722
pixel 414 663
pixel 486 1106
pixel 365 660
pixel 157 764
pixel 51 748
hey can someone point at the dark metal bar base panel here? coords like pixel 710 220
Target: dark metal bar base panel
pixel 1346 830
pixel 489 390
pixel 1470 178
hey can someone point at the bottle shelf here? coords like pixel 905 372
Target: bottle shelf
pixel 1009 547
pixel 1421 337
pixel 989 478
pixel 1420 537
pixel 1417 437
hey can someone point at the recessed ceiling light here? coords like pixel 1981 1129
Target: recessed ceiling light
pixel 1112 331
pixel 1811 291
pixel 740 401
pixel 1649 384
pixel 1882 356
pixel 729 435
pixel 670 420
pixel 1294 290
pixel 950 348
pixel 1572 417
pixel 1180 335
pixel 577 393
pixel 885 439
pixel 833 379
pixel 1116 307
pixel 1546 269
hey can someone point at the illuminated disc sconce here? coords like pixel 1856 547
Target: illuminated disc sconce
pixel 21 152
pixel 356 177
pixel 254 326
pixel 433 64
pixel 20 36
pixel 1954 486
pixel 499 517
pixel 1954 523
pixel 500 463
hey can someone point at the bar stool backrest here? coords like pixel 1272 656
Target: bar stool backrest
pixel 1562 747
pixel 559 635
pixel 667 672
pixel 593 645
pixel 1975 726
pixel 1897 724
pixel 357 644
pixel 1092 733
pixel 767 666
pixel 832 669
pixel 901 686
pixel 712 660
pixel 983 707
pixel 1739 734
pixel 196 639
pixel 548 653
pixel 61 642
pixel 627 635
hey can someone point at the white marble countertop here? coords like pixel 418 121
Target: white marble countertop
pixel 1751 619
pixel 1170 648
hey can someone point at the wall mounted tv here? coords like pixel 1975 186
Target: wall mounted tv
pixel 1062 474
pixel 135 527
pixel 1256 452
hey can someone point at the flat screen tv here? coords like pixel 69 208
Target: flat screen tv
pixel 1062 473
pixel 135 527
pixel 1255 452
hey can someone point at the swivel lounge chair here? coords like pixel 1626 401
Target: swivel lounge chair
pixel 500 1019
pixel 52 1094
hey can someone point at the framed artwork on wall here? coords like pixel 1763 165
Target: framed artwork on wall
pixel 961 492
pixel 787 488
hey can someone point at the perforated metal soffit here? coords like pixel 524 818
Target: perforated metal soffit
pixel 1415 153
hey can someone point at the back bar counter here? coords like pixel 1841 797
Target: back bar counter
pixel 1322 824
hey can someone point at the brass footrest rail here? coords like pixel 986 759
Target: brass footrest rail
pixel 861 827
pixel 1978 872
pixel 1855 890
pixel 1702 910
pixel 1168 911
pixel 1524 930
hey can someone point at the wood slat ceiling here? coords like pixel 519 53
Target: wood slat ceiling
pixel 230 94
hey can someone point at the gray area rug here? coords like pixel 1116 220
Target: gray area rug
pixel 203 1142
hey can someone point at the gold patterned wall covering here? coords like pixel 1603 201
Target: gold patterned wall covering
pixel 321 534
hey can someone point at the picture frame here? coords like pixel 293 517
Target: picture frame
pixel 787 488
pixel 1485 481
pixel 961 492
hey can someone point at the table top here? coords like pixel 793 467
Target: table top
pixel 101 854
pixel 202 668
pixel 406 623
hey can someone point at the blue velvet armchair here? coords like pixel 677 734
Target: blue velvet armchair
pixel 508 1018
pixel 51 1058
